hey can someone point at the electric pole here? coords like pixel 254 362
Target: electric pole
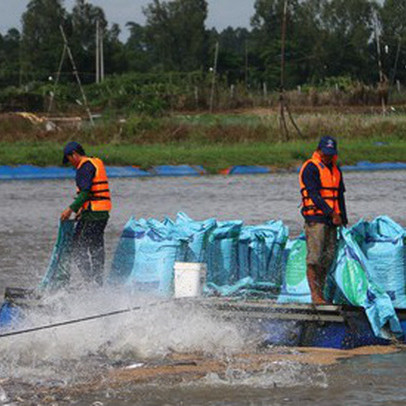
pixel 214 72
pixel 99 53
pixel 382 86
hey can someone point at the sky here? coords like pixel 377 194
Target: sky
pixel 222 13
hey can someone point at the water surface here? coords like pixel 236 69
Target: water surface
pixel 28 227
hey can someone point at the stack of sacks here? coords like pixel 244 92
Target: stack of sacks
pixel 382 241
pixel 147 251
pixel 351 276
pixel 146 255
pixel 246 260
pixel 239 259
pixel 349 282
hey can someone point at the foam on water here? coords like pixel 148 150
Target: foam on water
pixel 279 374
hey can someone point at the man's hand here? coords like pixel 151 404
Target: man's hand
pixel 66 214
pixel 78 214
pixel 336 219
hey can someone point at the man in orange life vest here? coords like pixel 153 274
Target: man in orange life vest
pixel 92 206
pixel 323 208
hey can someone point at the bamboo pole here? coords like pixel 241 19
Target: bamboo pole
pixel 282 102
pixel 76 74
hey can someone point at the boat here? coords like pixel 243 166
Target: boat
pixel 304 325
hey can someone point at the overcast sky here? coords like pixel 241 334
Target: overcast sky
pixel 222 13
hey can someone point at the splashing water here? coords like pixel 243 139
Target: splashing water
pixel 152 329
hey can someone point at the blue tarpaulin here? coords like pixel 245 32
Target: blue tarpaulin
pixel 248 170
pixel 125 172
pixel 375 166
pixel 177 170
pixel 30 172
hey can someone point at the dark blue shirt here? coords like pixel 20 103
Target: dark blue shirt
pixel 311 179
pixel 85 175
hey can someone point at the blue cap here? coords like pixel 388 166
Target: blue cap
pixel 70 148
pixel 328 145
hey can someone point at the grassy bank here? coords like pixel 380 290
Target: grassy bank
pixel 214 141
pixel 212 157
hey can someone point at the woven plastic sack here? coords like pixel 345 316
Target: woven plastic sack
pixel 383 243
pixel 196 234
pixel 58 272
pixel 295 288
pixel 145 257
pixel 260 252
pixel 222 253
pixel 124 256
pixel 355 286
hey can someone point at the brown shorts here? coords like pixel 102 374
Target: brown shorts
pixel 321 242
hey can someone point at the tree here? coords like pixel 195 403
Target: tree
pixel 266 39
pixel 308 40
pixel 392 17
pixel 176 33
pixel 10 58
pixel 136 48
pixel 115 56
pixel 349 26
pixel 41 43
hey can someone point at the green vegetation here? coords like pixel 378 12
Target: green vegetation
pixel 214 141
pixel 159 94
pixel 167 63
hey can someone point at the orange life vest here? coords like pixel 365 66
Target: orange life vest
pixel 330 182
pixel 100 199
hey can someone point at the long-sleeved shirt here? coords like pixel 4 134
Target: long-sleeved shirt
pixel 311 179
pixel 84 180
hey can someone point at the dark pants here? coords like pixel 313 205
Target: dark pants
pixel 88 249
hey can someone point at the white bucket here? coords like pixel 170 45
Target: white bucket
pixel 190 278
